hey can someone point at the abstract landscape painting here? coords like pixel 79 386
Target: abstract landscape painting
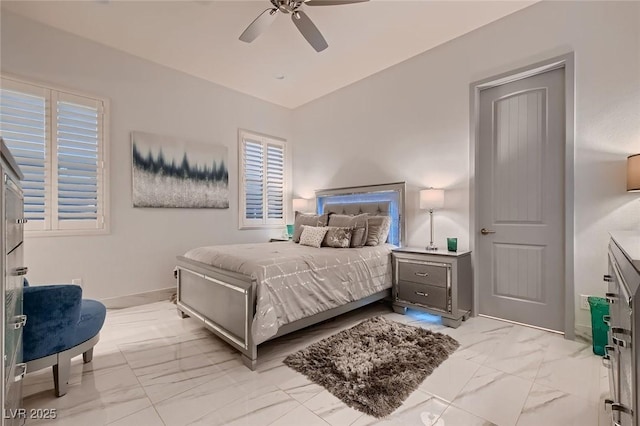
pixel 170 172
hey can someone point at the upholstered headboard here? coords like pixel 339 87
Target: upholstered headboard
pixel 387 199
pixel 376 209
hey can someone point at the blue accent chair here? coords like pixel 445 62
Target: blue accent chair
pixel 60 325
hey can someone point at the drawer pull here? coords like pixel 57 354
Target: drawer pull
pixel 607 278
pixel 421 274
pixel 420 293
pixel 621 408
pixel 620 342
pixel 21 370
pixel 606 359
pixel 607 320
pixel 619 330
pixel 21 321
pixel 611 297
pixel 21 221
pixel 21 271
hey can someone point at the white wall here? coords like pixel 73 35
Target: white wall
pixel 411 122
pixel 139 253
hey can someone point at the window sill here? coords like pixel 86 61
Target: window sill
pixel 65 233
pixel 254 227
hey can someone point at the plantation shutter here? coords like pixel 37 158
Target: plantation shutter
pixel 253 180
pixel 79 162
pixel 263 175
pixel 24 127
pixel 275 183
pixel 57 139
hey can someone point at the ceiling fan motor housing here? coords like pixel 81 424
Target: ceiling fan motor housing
pixel 287 6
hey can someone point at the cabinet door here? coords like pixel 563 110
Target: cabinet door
pixel 13 397
pixel 422 294
pixel 12 285
pixel 614 314
pixel 423 273
pixel 620 337
pixel 14 214
pixel 13 309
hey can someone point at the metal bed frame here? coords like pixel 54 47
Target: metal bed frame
pixel 225 301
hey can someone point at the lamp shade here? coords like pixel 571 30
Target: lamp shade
pixel 431 199
pixel 633 172
pixel 300 205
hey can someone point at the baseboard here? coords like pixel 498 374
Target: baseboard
pixel 583 333
pixel 138 299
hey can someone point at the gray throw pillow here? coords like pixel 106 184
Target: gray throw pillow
pixel 308 220
pixel 379 227
pixel 337 237
pixel 358 237
pixel 348 221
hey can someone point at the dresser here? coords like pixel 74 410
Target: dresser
pixel 621 357
pixel 13 321
pixel 438 282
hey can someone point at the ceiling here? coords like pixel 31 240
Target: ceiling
pixel 201 38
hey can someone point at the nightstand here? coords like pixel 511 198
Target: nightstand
pixel 438 282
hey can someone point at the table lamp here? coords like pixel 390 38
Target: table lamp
pixel 431 199
pixel 633 173
pixel 300 205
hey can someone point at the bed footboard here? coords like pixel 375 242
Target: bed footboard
pixel 224 301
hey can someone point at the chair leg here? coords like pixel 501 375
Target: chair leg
pixel 61 375
pixel 87 356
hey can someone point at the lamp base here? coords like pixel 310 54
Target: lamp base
pixel 431 247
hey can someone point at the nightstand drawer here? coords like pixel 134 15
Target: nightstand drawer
pixel 422 273
pixel 422 294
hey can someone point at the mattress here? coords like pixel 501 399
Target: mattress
pixel 294 281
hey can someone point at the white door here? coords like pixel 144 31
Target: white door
pixel 521 153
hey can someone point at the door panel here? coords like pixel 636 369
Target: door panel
pixel 521 198
pixel 517 271
pixel 519 132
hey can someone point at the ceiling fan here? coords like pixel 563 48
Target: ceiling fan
pixel 299 18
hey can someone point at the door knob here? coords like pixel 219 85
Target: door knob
pixel 485 231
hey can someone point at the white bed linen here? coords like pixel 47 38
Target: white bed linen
pixel 294 281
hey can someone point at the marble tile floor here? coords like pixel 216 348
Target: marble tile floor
pixel 153 368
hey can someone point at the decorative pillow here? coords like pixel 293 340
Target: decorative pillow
pixel 348 221
pixel 379 227
pixel 309 220
pixel 337 237
pixel 358 237
pixel 312 235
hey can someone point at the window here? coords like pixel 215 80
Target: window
pixel 58 140
pixel 263 181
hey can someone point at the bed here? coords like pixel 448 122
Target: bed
pixel 247 294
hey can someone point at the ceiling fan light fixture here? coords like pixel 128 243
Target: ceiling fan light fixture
pixel 304 24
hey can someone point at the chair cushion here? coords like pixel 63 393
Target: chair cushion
pixel 92 315
pixel 52 311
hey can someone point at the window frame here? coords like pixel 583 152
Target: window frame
pixel 265 222
pixel 51 225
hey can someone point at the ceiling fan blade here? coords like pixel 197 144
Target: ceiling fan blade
pixel 331 2
pixel 259 25
pixel 309 31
